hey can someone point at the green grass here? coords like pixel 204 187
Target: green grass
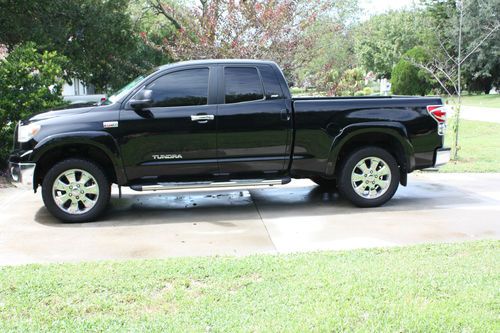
pixel 485 101
pixel 479 147
pixel 426 288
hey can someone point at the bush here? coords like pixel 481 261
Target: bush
pixel 367 91
pixel 350 81
pixel 407 79
pixel 30 82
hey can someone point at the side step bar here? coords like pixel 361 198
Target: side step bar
pixel 195 185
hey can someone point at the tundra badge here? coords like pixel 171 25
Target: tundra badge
pixel 167 156
pixel 110 124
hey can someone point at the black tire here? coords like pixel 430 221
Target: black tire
pixel 101 201
pixel 327 184
pixel 346 186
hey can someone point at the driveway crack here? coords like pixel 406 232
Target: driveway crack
pixel 263 223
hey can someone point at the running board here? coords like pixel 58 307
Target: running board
pixel 195 185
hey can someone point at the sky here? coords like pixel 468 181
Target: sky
pixel 373 7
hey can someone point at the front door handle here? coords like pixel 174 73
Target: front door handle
pixel 202 118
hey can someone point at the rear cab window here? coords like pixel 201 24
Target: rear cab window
pixel 271 83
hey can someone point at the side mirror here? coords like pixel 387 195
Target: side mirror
pixel 143 99
pixel 291 84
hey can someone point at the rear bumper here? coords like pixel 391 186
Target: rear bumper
pixel 442 156
pixel 21 174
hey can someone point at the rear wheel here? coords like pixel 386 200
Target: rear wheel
pixel 369 177
pixel 76 190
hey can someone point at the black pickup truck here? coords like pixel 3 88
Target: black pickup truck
pixel 224 123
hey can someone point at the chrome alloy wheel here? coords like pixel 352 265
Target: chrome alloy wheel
pixel 371 178
pixel 75 191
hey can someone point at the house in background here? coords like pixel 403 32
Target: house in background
pixel 78 92
pixel 77 88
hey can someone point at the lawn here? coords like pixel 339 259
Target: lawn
pixel 486 101
pixel 425 288
pixel 479 147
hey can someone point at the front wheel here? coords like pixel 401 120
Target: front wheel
pixel 76 190
pixel 369 177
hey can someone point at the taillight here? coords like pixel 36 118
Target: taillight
pixel 438 112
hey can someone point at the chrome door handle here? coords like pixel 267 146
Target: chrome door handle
pixel 285 115
pixel 202 117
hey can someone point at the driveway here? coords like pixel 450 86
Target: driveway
pixel 296 217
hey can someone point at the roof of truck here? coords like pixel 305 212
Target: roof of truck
pixel 217 61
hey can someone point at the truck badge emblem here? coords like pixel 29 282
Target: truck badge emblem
pixel 167 157
pixel 110 124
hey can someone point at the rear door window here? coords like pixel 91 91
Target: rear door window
pixel 242 84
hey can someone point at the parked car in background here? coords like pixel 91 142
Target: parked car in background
pixel 85 99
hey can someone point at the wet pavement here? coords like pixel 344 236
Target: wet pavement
pixel 297 217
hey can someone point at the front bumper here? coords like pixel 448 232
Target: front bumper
pixel 21 174
pixel 442 156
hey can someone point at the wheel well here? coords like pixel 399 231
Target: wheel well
pixel 381 140
pixel 83 151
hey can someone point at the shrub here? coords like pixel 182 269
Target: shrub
pixel 30 82
pixel 407 79
pixel 350 81
pixel 367 91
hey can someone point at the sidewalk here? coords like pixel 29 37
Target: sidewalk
pixel 479 113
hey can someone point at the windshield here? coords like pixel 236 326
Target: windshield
pixel 123 91
pixel 127 88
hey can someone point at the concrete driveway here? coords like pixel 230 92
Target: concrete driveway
pixel 296 217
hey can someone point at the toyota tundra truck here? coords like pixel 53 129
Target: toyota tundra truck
pixel 224 123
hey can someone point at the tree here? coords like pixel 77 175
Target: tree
pixel 326 49
pixel 383 39
pixel 261 29
pixel 96 35
pixel 408 79
pixel 30 81
pixel 452 50
pixel 482 70
pixel 154 29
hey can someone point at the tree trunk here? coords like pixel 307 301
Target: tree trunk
pixel 459 84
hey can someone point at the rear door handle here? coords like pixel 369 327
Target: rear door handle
pixel 285 114
pixel 202 118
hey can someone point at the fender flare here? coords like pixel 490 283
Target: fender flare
pixel 393 129
pixel 100 140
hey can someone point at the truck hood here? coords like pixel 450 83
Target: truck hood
pixel 68 111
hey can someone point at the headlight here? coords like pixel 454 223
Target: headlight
pixel 27 132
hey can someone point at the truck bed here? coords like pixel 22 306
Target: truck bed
pixel 322 122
